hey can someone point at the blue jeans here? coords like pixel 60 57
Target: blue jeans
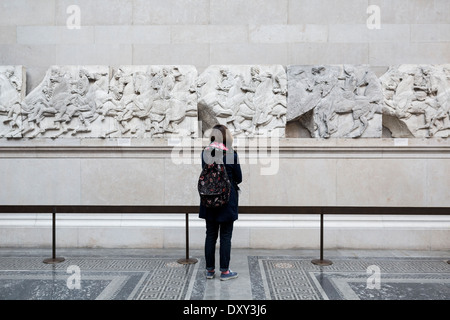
pixel 212 232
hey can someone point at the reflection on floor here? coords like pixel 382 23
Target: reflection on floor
pixel 148 274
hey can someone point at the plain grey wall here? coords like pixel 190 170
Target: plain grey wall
pixel 34 33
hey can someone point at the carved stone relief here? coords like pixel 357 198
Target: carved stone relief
pixel 335 101
pixel 166 101
pixel 249 100
pixel 417 100
pixel 152 101
pixel 12 92
pixel 65 103
pixel 100 102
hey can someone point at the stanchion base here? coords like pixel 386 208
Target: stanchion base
pixel 54 260
pixel 187 261
pixel 323 262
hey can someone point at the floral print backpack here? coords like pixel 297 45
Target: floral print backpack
pixel 214 185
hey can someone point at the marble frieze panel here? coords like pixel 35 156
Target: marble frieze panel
pixel 164 101
pixel 417 100
pixel 153 101
pixel 334 101
pixel 103 102
pixel 249 99
pixel 66 103
pixel 12 93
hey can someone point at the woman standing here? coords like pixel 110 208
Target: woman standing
pixel 219 221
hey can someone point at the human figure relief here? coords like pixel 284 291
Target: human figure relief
pixel 11 94
pixel 152 101
pixel 250 100
pixel 65 101
pixel 341 101
pixel 417 96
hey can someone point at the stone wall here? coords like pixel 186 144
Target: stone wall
pixel 336 172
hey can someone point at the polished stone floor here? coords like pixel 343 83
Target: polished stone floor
pixel 154 274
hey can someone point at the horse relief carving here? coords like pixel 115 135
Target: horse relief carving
pixel 164 101
pixel 250 100
pixel 417 100
pixel 97 102
pixel 335 101
pixel 151 101
pixel 65 103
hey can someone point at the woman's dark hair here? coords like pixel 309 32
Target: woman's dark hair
pixel 220 133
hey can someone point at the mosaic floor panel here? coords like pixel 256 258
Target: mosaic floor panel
pixel 289 278
pixel 153 278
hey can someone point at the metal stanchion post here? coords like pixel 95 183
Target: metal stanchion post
pixel 187 260
pixel 54 259
pixel 321 261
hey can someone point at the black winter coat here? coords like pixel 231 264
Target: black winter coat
pixel 228 212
